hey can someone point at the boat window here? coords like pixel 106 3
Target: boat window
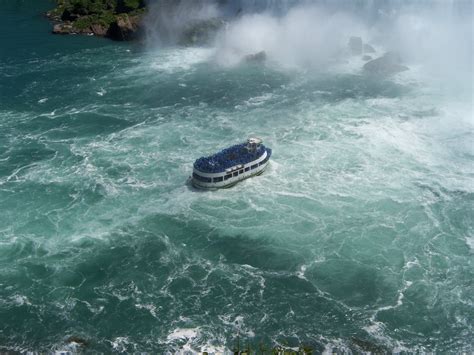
pixel 227 177
pixel 254 166
pixel 265 160
pixel 247 168
pixel 201 178
pixel 241 171
pixel 218 179
pixel 236 173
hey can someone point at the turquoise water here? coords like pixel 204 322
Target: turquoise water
pixel 361 230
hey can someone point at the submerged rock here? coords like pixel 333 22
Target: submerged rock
pixel 388 64
pixel 368 48
pixel 259 57
pixel 77 340
pixel 355 45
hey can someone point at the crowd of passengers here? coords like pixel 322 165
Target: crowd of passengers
pixel 217 163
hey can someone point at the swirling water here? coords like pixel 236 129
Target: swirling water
pixel 359 233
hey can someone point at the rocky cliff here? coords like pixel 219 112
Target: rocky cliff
pixel 117 19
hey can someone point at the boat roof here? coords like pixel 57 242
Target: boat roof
pixel 227 158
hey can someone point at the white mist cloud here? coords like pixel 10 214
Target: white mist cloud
pixel 442 43
pixel 166 19
pixel 437 36
pixel 305 36
pixel 312 34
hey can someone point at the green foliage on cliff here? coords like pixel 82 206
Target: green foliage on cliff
pixel 117 19
pixel 103 19
pixel 98 7
pixel 133 4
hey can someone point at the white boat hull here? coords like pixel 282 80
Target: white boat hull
pixel 253 168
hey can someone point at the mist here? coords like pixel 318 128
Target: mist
pixel 167 19
pixel 314 34
pixel 306 36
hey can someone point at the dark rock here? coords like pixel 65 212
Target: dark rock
pixel 367 57
pixel 388 64
pixel 355 45
pixel 201 32
pixel 259 57
pixel 63 28
pixel 368 48
pixel 124 6
pixel 99 30
pixel 69 16
pixel 53 15
pixel 77 340
pixel 124 28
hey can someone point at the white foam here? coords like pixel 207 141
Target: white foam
pixel 470 242
pixel 101 92
pixel 187 335
pixel 180 59
pixel 20 300
pixel 149 307
pixel 301 272
pixel 183 333
pixel 120 344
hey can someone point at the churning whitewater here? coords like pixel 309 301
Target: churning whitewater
pixel 357 237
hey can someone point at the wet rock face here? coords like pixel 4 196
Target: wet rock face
pixel 259 57
pixel 355 45
pixel 388 64
pixel 124 28
pixel 99 30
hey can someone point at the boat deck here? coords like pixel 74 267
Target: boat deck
pixel 227 158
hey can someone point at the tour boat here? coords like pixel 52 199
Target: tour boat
pixel 231 165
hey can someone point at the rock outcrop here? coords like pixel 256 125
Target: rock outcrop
pixel 357 47
pixel 388 64
pixel 258 57
pixel 117 19
pixel 64 28
pixel 125 28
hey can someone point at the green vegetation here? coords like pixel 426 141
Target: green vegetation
pixel 99 7
pixel 86 7
pixel 133 4
pixel 98 17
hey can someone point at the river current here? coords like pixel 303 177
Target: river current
pixel 359 236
